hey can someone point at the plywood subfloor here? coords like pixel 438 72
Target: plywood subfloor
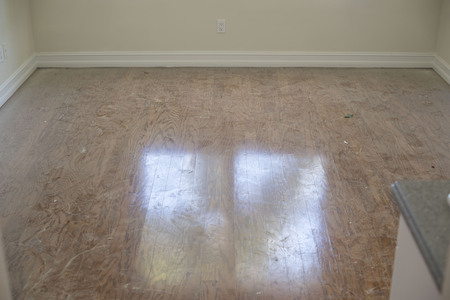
pixel 213 183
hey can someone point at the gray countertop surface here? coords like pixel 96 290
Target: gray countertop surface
pixel 423 205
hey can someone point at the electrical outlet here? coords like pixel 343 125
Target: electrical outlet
pixel 2 54
pixel 220 25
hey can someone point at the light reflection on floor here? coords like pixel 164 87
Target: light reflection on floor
pixel 266 181
pixel 184 210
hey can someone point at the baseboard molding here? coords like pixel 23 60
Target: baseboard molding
pixel 220 59
pixel 235 59
pixel 442 68
pixel 13 83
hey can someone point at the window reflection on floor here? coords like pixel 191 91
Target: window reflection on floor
pixel 283 189
pixel 263 204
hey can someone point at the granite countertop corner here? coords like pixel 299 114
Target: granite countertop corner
pixel 423 205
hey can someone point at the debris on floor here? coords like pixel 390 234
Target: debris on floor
pixel 348 116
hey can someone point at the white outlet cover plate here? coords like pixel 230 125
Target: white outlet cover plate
pixel 221 25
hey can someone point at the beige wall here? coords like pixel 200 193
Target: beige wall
pixel 443 43
pixel 16 33
pixel 252 25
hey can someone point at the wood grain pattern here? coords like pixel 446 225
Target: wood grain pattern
pixel 213 183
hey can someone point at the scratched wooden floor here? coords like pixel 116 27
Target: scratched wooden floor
pixel 213 183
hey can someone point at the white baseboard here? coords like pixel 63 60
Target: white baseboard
pixel 235 59
pixel 10 86
pixel 442 68
pixel 221 59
